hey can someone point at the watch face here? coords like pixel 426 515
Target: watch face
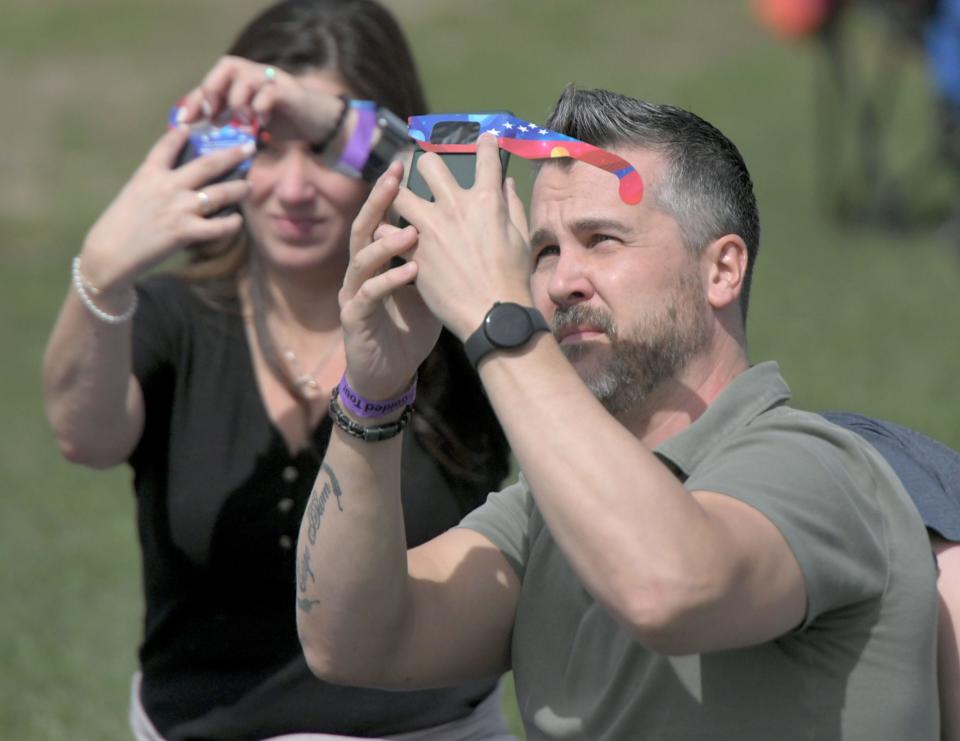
pixel 508 325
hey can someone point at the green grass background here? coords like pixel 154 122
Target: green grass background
pixel 859 317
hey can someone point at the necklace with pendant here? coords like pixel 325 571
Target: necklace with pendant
pixel 307 380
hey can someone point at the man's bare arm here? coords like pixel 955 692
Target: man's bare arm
pixel 371 614
pixel 685 571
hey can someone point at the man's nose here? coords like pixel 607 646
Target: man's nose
pixel 569 282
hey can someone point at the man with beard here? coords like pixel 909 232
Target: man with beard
pixel 684 556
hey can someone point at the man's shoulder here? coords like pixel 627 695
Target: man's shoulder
pixel 800 466
pixel 780 434
pixel 792 430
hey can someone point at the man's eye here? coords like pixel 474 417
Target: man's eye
pixel 600 238
pixel 549 251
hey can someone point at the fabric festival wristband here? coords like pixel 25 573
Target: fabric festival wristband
pixel 357 150
pixel 367 409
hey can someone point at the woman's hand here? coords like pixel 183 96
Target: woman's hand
pixel 277 99
pixel 387 329
pixel 160 210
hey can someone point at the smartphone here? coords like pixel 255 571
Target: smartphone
pixel 463 166
pixel 227 130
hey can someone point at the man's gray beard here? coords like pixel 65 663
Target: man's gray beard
pixel 656 349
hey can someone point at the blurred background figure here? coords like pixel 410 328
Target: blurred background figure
pixel 873 170
pixel 795 18
pixel 212 381
pixel 942 37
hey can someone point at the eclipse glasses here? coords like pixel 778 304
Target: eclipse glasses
pixel 458 133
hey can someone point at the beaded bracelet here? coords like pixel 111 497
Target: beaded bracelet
pixel 366 408
pixel 84 288
pixel 321 146
pixel 369 433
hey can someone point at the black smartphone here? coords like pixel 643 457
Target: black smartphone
pixel 462 165
pixel 206 137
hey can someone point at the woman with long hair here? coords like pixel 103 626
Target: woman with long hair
pixel 212 380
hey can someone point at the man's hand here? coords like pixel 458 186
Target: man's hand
pixel 387 328
pixel 472 248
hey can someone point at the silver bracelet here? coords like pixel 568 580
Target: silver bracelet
pixel 84 288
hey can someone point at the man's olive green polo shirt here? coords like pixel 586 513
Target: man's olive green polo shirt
pixel 860 666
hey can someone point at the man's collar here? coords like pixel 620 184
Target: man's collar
pixel 757 389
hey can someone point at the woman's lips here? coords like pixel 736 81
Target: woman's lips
pixel 297 226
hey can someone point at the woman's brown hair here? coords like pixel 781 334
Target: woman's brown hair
pixel 363 44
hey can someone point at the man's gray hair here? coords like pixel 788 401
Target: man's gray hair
pixel 706 187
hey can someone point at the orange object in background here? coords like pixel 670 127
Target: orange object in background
pixel 793 18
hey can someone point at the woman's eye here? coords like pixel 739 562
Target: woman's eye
pixel 267 146
pixel 267 151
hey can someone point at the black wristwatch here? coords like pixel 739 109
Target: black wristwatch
pixel 394 136
pixel 505 326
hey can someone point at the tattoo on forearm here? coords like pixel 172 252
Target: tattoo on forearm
pixel 304 570
pixel 318 502
pixel 315 509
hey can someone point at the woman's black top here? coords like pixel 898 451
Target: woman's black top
pixel 219 503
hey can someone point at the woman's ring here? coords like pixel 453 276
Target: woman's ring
pixel 204 202
pixel 270 73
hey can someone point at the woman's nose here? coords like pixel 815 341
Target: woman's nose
pixel 294 184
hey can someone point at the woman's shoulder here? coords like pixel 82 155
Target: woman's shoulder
pixel 176 295
pixel 162 283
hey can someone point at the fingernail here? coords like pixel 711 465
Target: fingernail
pixel 181 114
pixel 249 147
pixel 206 108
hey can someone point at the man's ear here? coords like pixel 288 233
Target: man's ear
pixel 725 259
